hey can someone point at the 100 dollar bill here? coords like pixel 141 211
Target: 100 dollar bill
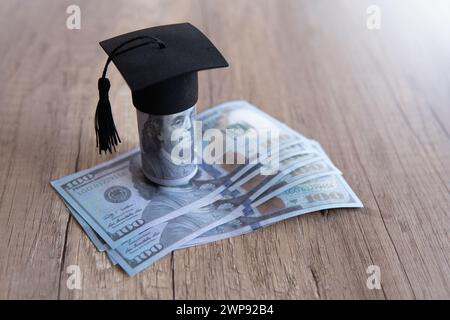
pixel 294 174
pixel 323 193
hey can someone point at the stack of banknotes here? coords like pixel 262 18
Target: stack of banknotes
pixel 137 222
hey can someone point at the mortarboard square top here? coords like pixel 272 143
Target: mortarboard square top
pixel 163 78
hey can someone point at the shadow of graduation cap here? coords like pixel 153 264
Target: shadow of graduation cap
pixel 160 66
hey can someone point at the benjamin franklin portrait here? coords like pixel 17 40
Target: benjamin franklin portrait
pixel 157 145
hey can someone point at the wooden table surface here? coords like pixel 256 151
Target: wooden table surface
pixel 377 100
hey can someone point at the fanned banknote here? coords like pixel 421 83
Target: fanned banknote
pixel 303 168
pixel 118 202
pixel 143 250
pixel 322 193
pixel 293 154
pixel 296 164
pixel 317 194
pixel 157 241
pixel 137 222
pixel 250 186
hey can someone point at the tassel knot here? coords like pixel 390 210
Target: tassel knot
pixel 103 87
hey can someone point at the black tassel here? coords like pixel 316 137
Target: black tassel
pixel 105 129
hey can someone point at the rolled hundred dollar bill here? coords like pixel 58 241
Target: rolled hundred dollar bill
pixel 161 162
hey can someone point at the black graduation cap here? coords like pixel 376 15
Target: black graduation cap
pixel 160 66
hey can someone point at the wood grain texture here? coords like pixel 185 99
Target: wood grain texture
pixel 378 102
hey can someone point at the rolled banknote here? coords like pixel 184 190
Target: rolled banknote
pixel 157 147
